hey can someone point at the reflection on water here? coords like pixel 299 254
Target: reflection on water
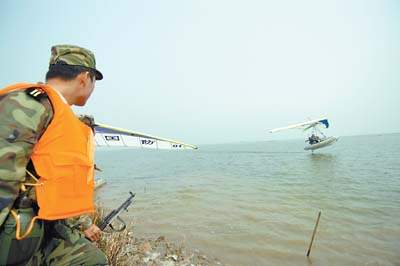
pixel 322 157
pixel 256 203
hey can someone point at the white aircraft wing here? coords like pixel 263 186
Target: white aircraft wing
pixel 304 125
pixel 111 136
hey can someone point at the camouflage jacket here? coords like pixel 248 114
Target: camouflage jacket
pixel 23 119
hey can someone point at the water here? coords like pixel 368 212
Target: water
pixel 256 203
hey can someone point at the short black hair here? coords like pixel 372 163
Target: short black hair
pixel 67 72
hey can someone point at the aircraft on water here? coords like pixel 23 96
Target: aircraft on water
pixel 106 135
pixel 316 138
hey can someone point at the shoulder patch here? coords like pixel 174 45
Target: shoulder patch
pixel 36 93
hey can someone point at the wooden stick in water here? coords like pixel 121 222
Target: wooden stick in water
pixel 313 235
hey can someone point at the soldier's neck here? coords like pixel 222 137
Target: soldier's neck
pixel 65 88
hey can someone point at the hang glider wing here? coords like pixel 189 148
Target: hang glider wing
pixel 304 125
pixel 111 136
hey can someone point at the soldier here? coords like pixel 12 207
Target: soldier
pixel 46 166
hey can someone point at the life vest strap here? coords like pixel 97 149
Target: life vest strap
pixel 18 229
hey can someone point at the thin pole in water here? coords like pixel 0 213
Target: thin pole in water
pixel 313 235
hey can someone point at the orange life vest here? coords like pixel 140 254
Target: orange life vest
pixel 63 159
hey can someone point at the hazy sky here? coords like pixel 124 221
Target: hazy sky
pixel 220 71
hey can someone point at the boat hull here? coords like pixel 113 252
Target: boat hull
pixel 322 144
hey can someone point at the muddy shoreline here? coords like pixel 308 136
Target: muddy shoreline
pixel 125 249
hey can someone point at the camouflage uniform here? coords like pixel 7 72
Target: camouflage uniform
pixel 23 119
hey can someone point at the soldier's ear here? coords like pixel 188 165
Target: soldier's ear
pixel 88 76
pixel 83 78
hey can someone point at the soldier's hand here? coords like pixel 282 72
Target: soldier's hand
pixel 93 233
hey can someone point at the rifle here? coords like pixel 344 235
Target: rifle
pixel 114 214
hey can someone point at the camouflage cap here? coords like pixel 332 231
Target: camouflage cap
pixel 75 56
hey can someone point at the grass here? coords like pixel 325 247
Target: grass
pixel 122 248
